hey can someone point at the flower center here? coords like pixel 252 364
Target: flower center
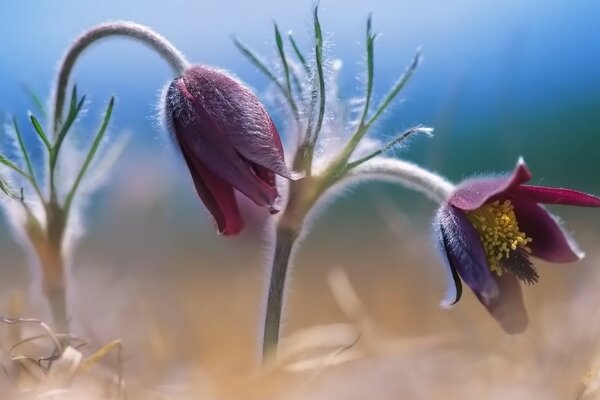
pixel 498 229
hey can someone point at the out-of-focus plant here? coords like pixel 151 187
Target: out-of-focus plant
pixel 42 200
pixel 41 205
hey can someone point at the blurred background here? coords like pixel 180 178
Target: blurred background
pixel 498 81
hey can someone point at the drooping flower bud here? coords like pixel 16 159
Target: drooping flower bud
pixel 228 141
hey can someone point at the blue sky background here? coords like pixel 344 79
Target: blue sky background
pixel 499 79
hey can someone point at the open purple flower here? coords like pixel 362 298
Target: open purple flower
pixel 228 141
pixel 489 228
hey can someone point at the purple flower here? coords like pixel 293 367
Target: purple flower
pixel 489 228
pixel 228 141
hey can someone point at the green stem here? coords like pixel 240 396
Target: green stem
pixel 284 244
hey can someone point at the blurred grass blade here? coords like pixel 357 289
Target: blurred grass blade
pixel 22 147
pixel 74 110
pixel 11 165
pixel 31 175
pixel 91 153
pixel 8 190
pixel 40 131
pixel 99 355
pixel 39 104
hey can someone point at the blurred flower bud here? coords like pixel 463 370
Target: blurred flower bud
pixel 228 141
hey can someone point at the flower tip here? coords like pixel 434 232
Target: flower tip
pixel 230 231
pixel 447 303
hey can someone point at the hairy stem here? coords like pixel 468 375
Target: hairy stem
pixel 118 28
pixel 304 195
pixel 47 244
pixel 405 173
pixel 284 243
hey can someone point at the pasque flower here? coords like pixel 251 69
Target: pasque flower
pixel 228 141
pixel 488 230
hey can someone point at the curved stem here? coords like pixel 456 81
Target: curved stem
pixel 118 28
pixel 407 174
pixel 304 195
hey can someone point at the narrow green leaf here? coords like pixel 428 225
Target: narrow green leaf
pixel 74 111
pixel 73 99
pixel 14 167
pixel 40 132
pixel 258 63
pixel 35 99
pixel 254 59
pixel 8 190
pixel 396 88
pixel 284 63
pixel 299 54
pixel 370 74
pixel 22 147
pixel 397 141
pixel 10 164
pixel 320 75
pixel 297 83
pixel 26 158
pixel 317 25
pixel 90 156
pixel 321 80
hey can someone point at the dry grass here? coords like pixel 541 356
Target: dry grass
pixel 185 311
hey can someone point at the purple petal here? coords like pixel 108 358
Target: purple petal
pixel 268 177
pixel 242 118
pixel 550 195
pixel 454 290
pixel 203 139
pixel 508 307
pixel 217 196
pixel 473 193
pixel 550 241
pixel 464 252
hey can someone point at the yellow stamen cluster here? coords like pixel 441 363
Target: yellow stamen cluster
pixel 497 226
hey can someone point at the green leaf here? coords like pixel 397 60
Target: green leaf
pixel 8 190
pixel 74 110
pixel 397 87
pixel 90 156
pixel 35 99
pixel 370 74
pixel 395 142
pixel 254 59
pixel 284 63
pixel 258 63
pixel 22 147
pixel 290 74
pixel 11 165
pixel 40 132
pixel 28 164
pixel 299 54
pixel 321 79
